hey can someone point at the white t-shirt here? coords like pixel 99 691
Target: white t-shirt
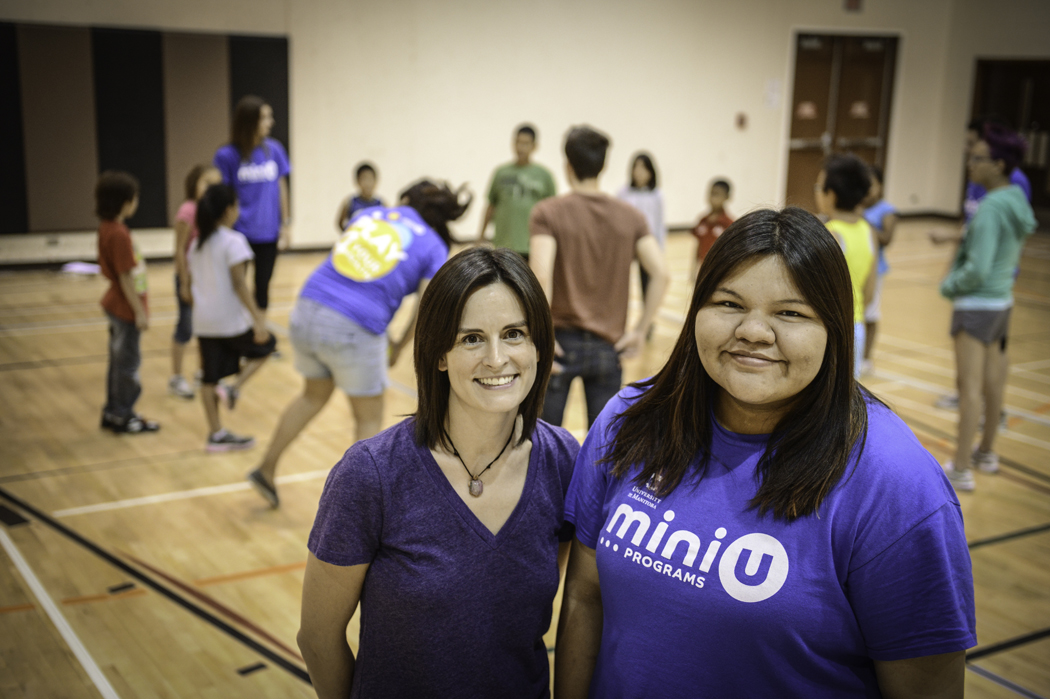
pixel 217 312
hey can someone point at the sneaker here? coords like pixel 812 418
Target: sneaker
pixel 180 387
pixel 135 424
pixel 263 488
pixel 962 481
pixel 228 394
pixel 224 440
pixel 947 403
pixel 985 461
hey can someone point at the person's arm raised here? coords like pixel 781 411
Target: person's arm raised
pixel 330 596
pixel 579 625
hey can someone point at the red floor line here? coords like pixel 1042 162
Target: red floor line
pixel 222 609
pixel 17 608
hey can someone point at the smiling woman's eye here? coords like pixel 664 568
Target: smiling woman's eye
pixel 471 339
pixel 516 334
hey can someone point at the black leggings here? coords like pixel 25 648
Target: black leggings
pixel 265 258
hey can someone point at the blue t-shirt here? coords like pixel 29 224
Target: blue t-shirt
pixel 379 260
pixel 703 598
pixel 448 609
pixel 975 192
pixel 258 191
pixel 874 215
pixel 359 204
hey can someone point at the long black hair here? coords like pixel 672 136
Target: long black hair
pixel 647 163
pixel 436 204
pixel 667 433
pixel 210 209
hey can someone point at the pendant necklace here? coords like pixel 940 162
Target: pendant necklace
pixel 476 487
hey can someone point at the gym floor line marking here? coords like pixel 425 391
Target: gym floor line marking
pixel 1003 682
pixel 217 606
pixel 248 574
pixel 53 613
pixel 101 466
pixel 1008 644
pixel 199 612
pixel 1003 461
pixel 184 494
pixel 1009 536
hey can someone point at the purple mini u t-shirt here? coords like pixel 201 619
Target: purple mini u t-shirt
pixel 447 609
pixel 257 183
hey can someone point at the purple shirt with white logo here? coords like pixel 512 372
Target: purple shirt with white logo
pixel 447 609
pixel 703 598
pixel 258 191
pixel 379 259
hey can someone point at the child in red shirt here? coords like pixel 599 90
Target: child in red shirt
pixel 117 198
pixel 713 222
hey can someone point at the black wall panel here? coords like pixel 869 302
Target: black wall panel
pixel 14 213
pixel 129 108
pixel 259 66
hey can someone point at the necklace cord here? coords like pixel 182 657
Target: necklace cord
pixel 455 452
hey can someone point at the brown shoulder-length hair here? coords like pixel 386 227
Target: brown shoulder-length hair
pixel 667 432
pixel 246 124
pixel 193 177
pixel 440 312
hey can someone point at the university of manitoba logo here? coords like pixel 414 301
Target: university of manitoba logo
pixel 752 568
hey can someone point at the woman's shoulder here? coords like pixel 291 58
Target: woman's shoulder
pixel 385 451
pixel 554 438
pixel 894 463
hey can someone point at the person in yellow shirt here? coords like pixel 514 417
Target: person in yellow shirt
pixel 841 186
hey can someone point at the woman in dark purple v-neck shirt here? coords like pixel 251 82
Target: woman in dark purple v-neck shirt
pixel 446 527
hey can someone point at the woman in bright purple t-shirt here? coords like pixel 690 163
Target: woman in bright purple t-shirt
pixel 257 168
pixel 447 527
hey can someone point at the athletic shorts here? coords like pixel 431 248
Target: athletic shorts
pixel 328 345
pixel 986 326
pixel 221 356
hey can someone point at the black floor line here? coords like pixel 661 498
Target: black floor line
pixel 102 466
pixel 1003 682
pixel 1009 535
pixel 1003 461
pixel 149 582
pixel 1008 644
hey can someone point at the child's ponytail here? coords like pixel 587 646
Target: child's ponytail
pixel 210 209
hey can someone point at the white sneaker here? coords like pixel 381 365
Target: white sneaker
pixel 179 386
pixel 950 402
pixel 986 461
pixel 962 481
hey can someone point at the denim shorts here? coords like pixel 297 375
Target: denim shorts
pixel 328 345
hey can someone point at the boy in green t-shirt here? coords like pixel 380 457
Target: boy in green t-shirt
pixel 514 190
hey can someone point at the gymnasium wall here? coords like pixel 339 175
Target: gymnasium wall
pixel 436 88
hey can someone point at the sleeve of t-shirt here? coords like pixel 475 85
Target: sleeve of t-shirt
pixel 237 250
pixel 280 156
pixel 123 253
pixel 226 164
pixel 436 257
pixel 585 500
pixel 538 222
pixel 493 195
pixel 349 519
pixel 186 212
pixel 916 597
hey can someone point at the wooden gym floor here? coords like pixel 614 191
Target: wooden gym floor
pixel 139 566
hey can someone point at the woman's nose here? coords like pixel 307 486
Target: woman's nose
pixel 495 356
pixel 755 328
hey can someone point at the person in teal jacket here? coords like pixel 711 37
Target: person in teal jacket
pixel 980 286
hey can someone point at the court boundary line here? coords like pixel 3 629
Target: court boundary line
pixel 80 652
pixel 1003 682
pixel 1009 536
pixel 1008 644
pixel 202 614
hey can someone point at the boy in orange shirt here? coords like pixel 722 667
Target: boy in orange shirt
pixel 713 222
pixel 116 199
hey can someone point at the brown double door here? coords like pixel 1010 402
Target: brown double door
pixel 840 103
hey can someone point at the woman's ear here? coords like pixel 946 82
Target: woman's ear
pixel 442 364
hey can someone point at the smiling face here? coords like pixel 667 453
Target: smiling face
pixel 760 342
pixel 492 365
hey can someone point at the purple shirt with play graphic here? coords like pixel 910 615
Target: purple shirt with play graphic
pixel 256 182
pixel 448 609
pixel 702 597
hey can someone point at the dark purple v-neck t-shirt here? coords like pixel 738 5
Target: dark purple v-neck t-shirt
pixel 448 609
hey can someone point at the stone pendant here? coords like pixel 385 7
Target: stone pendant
pixel 476 487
